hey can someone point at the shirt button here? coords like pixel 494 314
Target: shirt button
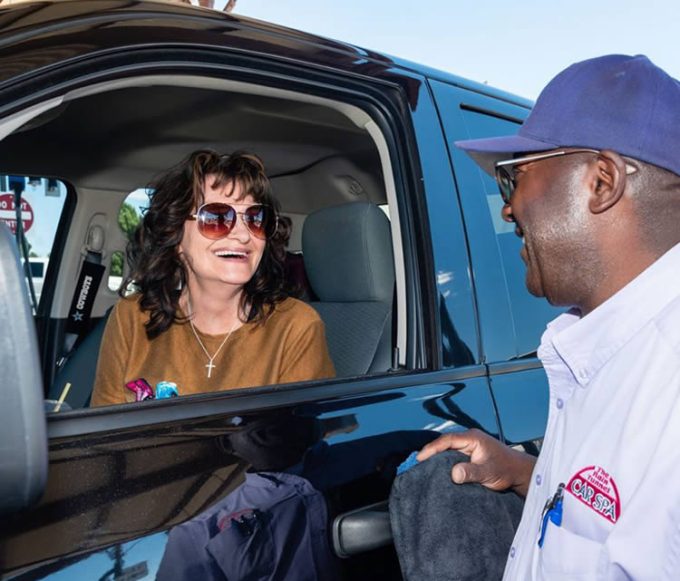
pixel 538 480
pixel 559 403
pixel 512 552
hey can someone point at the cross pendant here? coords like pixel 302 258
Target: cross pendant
pixel 210 367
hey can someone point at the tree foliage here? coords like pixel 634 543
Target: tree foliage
pixel 116 264
pixel 128 219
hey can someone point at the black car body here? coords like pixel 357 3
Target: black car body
pixel 113 91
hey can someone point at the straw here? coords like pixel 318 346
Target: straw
pixel 62 397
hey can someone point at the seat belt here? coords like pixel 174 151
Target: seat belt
pixel 89 279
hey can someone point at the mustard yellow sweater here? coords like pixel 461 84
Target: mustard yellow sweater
pixel 290 346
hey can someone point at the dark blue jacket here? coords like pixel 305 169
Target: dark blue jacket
pixel 273 527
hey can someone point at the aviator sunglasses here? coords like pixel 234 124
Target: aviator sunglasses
pixel 217 220
pixel 505 172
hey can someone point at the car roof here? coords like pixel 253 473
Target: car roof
pixel 81 26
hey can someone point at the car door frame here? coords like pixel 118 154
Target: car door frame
pixel 519 385
pixel 93 429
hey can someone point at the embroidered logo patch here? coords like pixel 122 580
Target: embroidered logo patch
pixel 595 488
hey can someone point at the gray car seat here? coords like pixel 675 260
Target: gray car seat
pixel 348 257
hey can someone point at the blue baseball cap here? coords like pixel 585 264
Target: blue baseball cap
pixel 618 102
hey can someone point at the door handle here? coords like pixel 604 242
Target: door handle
pixel 362 529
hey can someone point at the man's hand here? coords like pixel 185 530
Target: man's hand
pixel 492 463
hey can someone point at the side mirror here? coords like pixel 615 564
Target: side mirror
pixel 23 445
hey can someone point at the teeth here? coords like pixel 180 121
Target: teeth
pixel 230 253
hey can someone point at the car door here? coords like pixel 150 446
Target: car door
pixel 122 478
pixel 511 320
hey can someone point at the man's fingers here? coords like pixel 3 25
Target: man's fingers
pixel 455 441
pixel 445 442
pixel 466 472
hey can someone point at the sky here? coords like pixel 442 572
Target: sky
pixel 516 46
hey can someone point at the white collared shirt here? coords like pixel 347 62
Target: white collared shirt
pixel 613 440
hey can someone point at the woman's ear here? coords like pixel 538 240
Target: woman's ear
pixel 609 182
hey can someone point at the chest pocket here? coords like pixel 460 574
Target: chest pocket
pixel 566 555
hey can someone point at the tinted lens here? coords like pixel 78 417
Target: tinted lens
pixel 506 183
pixel 260 220
pixel 216 220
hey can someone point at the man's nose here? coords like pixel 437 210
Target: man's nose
pixel 506 213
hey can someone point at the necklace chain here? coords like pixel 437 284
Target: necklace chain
pixel 210 364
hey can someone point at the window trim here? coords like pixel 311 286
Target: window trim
pixel 378 103
pixel 243 401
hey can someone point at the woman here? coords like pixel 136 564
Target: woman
pixel 211 311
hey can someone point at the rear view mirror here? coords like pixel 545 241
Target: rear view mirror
pixel 23 446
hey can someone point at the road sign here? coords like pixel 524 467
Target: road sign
pixel 8 213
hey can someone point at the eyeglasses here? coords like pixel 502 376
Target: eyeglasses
pixel 216 220
pixel 505 176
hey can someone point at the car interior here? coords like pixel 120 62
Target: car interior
pixel 329 166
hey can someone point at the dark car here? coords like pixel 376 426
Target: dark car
pixel 98 97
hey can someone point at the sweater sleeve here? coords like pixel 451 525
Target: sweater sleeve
pixel 114 353
pixel 306 355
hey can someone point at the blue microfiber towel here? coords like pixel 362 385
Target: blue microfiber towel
pixel 410 462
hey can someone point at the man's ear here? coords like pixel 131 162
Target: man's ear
pixel 609 181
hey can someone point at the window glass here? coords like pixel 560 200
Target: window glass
pixel 129 216
pixel 529 313
pixel 132 209
pixel 116 270
pixel 41 201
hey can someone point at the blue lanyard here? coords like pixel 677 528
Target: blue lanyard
pixel 552 512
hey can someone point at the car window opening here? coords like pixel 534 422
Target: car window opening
pixel 345 166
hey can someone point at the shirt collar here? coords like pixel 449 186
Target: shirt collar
pixel 585 344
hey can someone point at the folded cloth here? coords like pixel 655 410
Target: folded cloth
pixel 450 532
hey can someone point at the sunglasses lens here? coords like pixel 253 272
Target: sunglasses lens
pixel 215 221
pixel 260 220
pixel 505 183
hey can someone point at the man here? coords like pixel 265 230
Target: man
pixel 592 183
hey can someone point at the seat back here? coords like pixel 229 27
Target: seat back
pixel 348 258
pixel 80 368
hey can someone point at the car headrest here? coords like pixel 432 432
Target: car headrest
pixel 347 251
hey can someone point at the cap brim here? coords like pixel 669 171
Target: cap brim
pixel 486 152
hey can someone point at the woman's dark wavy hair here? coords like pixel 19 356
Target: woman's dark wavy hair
pixel 156 269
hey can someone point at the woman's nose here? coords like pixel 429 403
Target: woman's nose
pixel 240 230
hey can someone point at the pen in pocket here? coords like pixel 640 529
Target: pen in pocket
pixel 552 512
